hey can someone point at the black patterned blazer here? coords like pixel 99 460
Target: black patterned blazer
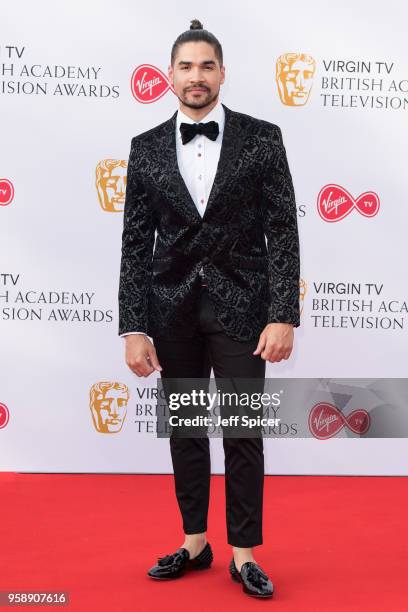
pixel 251 283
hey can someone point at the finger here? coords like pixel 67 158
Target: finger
pixel 268 347
pixel 261 344
pixel 139 371
pixel 147 366
pixel 265 354
pixel 141 366
pixel 276 352
pixel 146 372
pixel 281 353
pixel 154 361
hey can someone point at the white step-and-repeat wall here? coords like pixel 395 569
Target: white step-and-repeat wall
pixel 77 81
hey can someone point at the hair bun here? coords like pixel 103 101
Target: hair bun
pixel 196 25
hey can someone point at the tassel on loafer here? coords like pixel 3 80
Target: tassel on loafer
pixel 175 565
pixel 253 579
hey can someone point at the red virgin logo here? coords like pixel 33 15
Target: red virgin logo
pixel 6 192
pixel 325 421
pixel 149 83
pixel 4 415
pixel 334 203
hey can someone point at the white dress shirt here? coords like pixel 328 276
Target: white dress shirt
pixel 198 160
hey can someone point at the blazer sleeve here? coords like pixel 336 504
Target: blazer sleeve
pixel 137 249
pixel 279 218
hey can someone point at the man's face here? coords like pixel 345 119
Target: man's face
pixel 196 75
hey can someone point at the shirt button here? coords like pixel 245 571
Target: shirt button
pixel 199 144
pixel 200 176
pixel 202 201
pixel 198 154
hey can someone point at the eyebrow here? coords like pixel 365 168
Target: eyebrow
pixel 206 62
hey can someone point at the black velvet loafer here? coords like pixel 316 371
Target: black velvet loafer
pixel 253 579
pixel 175 565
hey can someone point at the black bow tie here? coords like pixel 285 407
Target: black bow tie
pixel 189 130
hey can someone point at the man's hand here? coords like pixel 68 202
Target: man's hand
pixel 275 342
pixel 141 355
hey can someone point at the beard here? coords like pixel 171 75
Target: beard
pixel 204 100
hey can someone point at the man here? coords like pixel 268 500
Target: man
pixel 213 295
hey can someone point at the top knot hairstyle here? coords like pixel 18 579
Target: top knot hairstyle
pixel 196 33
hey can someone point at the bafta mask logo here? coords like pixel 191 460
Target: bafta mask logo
pixel 108 404
pixel 6 192
pixel 111 184
pixel 302 293
pixel 294 78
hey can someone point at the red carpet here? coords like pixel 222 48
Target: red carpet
pixel 330 543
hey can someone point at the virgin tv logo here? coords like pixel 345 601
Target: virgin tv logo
pixel 334 203
pixel 6 192
pixel 4 415
pixel 326 420
pixel 148 84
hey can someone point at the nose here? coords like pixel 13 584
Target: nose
pixel 120 185
pixel 113 408
pixel 196 76
pixel 300 82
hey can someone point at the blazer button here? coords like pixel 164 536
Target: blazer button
pixel 206 260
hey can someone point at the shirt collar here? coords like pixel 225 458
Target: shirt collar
pixel 216 114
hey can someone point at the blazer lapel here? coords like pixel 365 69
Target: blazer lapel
pixel 232 143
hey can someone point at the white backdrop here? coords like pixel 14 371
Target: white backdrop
pixel 67 105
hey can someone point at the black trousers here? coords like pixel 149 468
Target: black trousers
pixel 244 459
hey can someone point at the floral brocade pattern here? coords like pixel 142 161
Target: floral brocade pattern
pixel 251 281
